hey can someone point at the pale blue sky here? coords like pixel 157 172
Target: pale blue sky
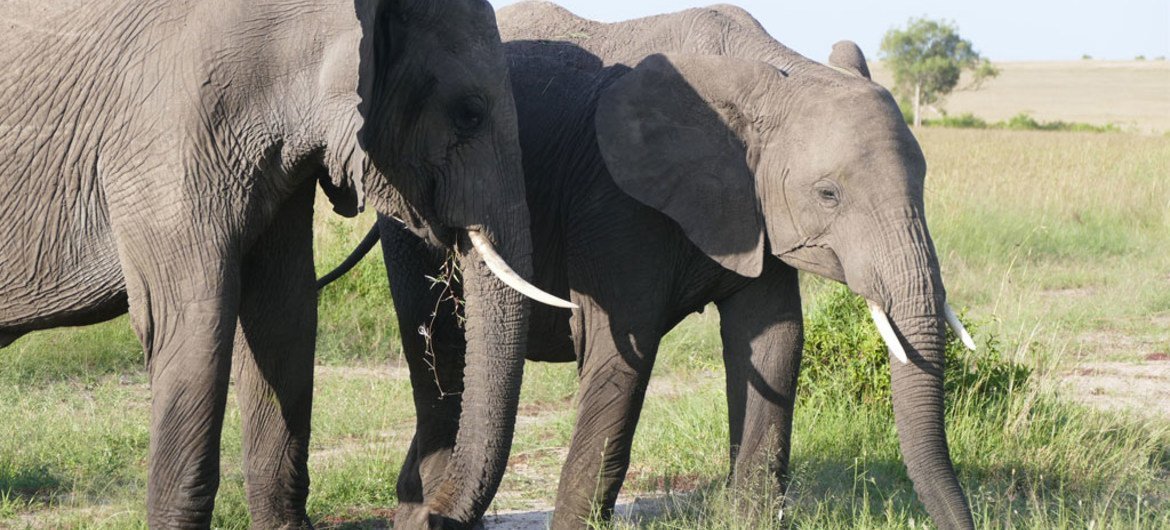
pixel 1004 30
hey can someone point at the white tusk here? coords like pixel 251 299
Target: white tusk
pixel 956 325
pixel 500 268
pixel 887 331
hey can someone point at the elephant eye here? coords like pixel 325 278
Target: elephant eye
pixel 469 114
pixel 828 194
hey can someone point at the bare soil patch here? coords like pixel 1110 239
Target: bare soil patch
pixel 1139 388
pixel 628 509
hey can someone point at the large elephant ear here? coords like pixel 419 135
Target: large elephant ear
pixel 677 134
pixel 352 78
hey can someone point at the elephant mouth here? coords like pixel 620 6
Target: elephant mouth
pixel 819 260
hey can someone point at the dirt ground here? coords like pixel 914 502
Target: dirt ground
pixel 1141 388
pixel 629 509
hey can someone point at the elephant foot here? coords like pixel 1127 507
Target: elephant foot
pixel 414 516
pixel 302 524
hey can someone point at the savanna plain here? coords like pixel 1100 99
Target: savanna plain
pixel 1057 244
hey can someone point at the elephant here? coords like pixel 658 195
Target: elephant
pixel 162 157
pixel 681 160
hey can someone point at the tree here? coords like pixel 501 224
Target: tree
pixel 927 60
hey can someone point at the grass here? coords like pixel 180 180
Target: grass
pixel 1065 230
pixel 1134 95
pixel 1053 242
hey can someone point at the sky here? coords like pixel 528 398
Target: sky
pixel 1001 30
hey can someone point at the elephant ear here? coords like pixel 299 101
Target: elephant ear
pixel 351 80
pixel 847 56
pixel 676 137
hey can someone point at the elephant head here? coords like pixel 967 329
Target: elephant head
pixel 816 167
pixel 422 126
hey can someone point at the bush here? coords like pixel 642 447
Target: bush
pixel 844 354
pixel 1020 122
pixel 962 121
pixel 1024 122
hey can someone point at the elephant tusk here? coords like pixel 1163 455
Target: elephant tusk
pixel 887 331
pixel 956 325
pixel 500 268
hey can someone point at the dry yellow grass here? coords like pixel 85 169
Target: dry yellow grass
pixel 1132 94
pixel 1056 236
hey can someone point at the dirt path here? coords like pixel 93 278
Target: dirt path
pixel 1141 388
pixel 628 509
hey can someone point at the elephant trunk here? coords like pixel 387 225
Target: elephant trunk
pixel 918 411
pixel 497 332
pixel 916 304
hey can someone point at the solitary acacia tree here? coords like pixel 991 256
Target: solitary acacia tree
pixel 927 59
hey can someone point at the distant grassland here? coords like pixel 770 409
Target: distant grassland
pixel 1134 95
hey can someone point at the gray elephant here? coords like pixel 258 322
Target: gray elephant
pixel 661 183
pixel 162 157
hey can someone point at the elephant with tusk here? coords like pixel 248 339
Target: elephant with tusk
pixel 687 159
pixel 162 158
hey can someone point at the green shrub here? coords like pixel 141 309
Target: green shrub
pixel 1020 122
pixel 962 121
pixel 1025 122
pixel 844 355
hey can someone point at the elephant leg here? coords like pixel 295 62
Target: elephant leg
pixel 184 299
pixel 434 348
pixel 274 362
pixel 614 375
pixel 763 336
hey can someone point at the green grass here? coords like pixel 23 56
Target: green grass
pixel 357 321
pixel 1053 244
pixel 1068 231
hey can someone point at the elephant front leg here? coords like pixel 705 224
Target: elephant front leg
pixel 274 348
pixel 436 374
pixel 614 377
pixel 183 303
pixel 434 347
pixel 762 331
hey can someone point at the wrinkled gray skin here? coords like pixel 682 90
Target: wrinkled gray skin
pixel 161 157
pixel 659 184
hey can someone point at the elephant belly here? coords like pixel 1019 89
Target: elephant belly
pixel 56 282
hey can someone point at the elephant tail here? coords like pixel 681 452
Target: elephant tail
pixel 363 249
